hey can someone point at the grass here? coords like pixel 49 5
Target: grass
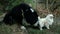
pixel 6 29
pixel 53 30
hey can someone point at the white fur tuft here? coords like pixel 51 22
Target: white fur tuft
pixel 23 28
pixel 31 9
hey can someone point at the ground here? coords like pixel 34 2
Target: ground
pixel 54 29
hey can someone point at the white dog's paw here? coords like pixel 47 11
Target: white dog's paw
pixel 41 29
pixel 23 28
pixel 48 28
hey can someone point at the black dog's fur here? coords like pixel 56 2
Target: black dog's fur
pixel 16 15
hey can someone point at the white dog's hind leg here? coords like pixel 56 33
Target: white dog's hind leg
pixel 37 21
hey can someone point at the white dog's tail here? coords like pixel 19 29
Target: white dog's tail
pixel 37 21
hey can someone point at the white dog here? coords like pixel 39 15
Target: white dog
pixel 48 20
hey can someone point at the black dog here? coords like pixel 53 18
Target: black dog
pixel 15 14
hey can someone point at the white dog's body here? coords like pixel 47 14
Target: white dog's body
pixel 45 21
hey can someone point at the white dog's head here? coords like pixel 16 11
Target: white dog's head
pixel 49 17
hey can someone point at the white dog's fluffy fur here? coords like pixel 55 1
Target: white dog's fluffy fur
pixel 48 20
